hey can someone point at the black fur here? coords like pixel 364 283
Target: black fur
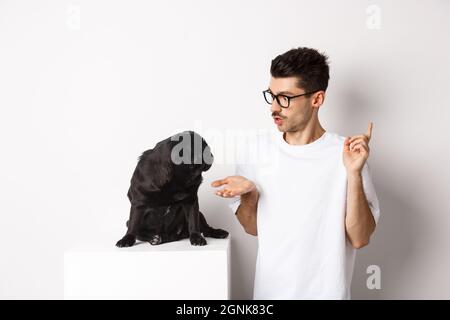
pixel 163 194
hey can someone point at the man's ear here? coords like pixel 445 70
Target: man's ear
pixel 157 166
pixel 318 99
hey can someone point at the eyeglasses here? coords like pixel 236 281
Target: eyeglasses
pixel 283 100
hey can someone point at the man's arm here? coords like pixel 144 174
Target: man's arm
pixel 247 211
pixel 359 221
pixel 249 195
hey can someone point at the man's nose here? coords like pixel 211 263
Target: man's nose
pixel 275 107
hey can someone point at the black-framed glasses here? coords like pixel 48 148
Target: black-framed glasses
pixel 282 99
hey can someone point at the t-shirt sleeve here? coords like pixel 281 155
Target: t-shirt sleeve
pixel 370 192
pixel 234 204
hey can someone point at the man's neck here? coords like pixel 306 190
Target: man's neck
pixel 305 136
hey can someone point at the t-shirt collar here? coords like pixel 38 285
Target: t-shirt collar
pixel 300 149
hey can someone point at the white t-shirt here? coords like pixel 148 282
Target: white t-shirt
pixel 303 251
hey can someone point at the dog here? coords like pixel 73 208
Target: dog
pixel 163 193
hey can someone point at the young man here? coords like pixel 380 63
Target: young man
pixel 318 205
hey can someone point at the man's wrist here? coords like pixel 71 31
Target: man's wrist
pixel 354 174
pixel 249 199
pixel 251 195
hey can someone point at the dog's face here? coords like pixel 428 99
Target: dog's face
pixel 191 157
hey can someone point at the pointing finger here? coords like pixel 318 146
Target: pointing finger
pixel 369 131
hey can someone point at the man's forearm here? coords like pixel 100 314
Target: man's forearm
pixel 247 211
pixel 359 221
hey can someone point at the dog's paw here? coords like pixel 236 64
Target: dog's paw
pixel 197 239
pixel 127 241
pixel 216 233
pixel 156 239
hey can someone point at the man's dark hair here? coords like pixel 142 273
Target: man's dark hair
pixel 308 65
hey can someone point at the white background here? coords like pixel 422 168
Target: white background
pixel 86 86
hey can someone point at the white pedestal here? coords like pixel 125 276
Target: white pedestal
pixel 174 270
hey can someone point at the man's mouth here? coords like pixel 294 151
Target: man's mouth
pixel 278 120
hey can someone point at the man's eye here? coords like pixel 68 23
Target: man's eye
pixel 285 98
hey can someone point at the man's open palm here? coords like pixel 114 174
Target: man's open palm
pixel 234 186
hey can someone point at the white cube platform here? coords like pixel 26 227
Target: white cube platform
pixel 174 270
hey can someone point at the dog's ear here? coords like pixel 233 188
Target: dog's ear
pixel 156 166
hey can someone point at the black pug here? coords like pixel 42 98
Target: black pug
pixel 163 193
